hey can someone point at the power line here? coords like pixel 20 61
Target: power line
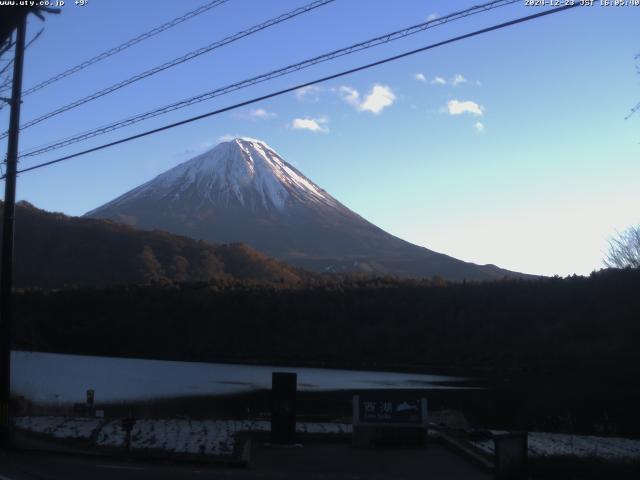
pixel 307 84
pixel 268 76
pixel 140 38
pixel 177 61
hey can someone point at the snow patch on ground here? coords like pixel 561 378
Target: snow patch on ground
pixel 60 427
pixel 112 435
pixel 196 437
pixel 543 444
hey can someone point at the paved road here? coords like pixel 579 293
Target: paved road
pixel 313 461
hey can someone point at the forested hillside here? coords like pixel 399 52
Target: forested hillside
pixel 53 250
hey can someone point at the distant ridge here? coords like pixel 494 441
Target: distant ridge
pixel 243 191
pixel 54 250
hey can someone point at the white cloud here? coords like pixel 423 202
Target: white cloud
pixel 455 107
pixel 458 79
pixel 227 137
pixel 438 81
pixel 260 113
pixel 350 95
pixel 432 16
pixel 311 124
pixel 378 99
pixel 479 126
pixel 420 77
pixel 309 93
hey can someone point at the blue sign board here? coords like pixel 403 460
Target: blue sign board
pixel 389 409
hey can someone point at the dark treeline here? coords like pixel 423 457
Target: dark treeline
pixel 576 321
pixel 550 347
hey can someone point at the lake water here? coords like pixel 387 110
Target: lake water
pixel 64 379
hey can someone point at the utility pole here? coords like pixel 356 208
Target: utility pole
pixel 8 223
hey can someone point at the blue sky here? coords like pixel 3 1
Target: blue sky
pixel 526 161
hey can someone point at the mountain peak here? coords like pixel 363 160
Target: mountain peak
pixel 243 172
pixel 248 140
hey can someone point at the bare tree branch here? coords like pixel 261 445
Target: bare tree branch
pixel 624 249
pixel 4 48
pixel 637 106
pixel 4 83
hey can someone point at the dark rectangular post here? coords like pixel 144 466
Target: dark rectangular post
pixel 511 451
pixel 283 407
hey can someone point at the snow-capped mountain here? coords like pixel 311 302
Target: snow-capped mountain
pixel 243 191
pixel 243 173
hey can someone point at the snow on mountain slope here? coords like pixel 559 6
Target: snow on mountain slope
pixel 243 191
pixel 243 171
